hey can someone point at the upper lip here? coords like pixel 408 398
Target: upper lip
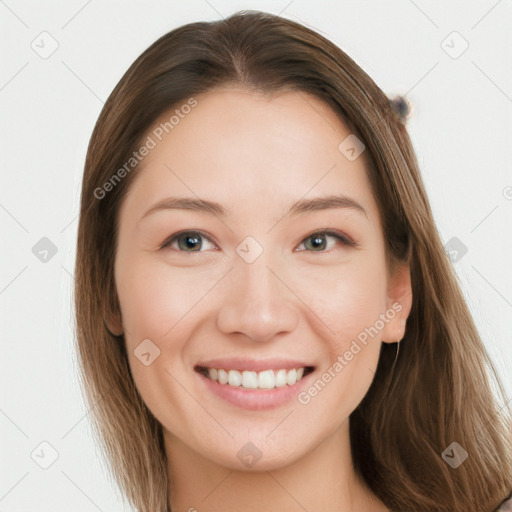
pixel 255 365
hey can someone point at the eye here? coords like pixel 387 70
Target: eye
pixel 192 241
pixel 319 241
pixel 187 241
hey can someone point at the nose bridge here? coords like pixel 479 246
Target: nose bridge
pixel 260 284
pixel 256 302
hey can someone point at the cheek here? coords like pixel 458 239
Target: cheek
pixel 157 304
pixel 155 298
pixel 352 350
pixel 349 300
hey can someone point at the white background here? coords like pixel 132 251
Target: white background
pixel 461 129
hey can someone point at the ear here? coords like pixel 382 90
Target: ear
pixel 399 302
pixel 113 322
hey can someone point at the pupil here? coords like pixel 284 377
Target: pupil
pixel 318 241
pixel 190 241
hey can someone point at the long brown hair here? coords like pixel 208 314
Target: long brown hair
pixel 441 389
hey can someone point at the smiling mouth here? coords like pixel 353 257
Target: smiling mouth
pixel 266 379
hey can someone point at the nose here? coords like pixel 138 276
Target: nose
pixel 256 302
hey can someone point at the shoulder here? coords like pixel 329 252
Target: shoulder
pixel 506 506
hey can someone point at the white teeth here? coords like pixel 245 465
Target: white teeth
pixel 267 379
pixel 281 378
pixel 222 376
pixel 250 380
pixel 291 377
pixel 234 378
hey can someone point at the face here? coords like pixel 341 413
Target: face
pixel 269 286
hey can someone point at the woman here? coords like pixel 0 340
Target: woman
pixel 266 316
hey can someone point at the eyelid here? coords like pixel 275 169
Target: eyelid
pixel 332 232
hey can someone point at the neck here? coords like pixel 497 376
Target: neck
pixel 322 480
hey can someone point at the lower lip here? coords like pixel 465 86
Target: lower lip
pixel 255 399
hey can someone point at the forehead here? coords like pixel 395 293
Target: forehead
pixel 243 149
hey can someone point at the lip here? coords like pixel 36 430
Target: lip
pixel 254 399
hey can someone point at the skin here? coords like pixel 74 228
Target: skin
pixel 256 155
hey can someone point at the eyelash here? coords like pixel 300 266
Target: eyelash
pixel 334 234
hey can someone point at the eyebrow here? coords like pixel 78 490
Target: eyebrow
pixel 301 206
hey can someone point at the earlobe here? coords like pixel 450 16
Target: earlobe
pixel 113 324
pixel 112 313
pixel 399 303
